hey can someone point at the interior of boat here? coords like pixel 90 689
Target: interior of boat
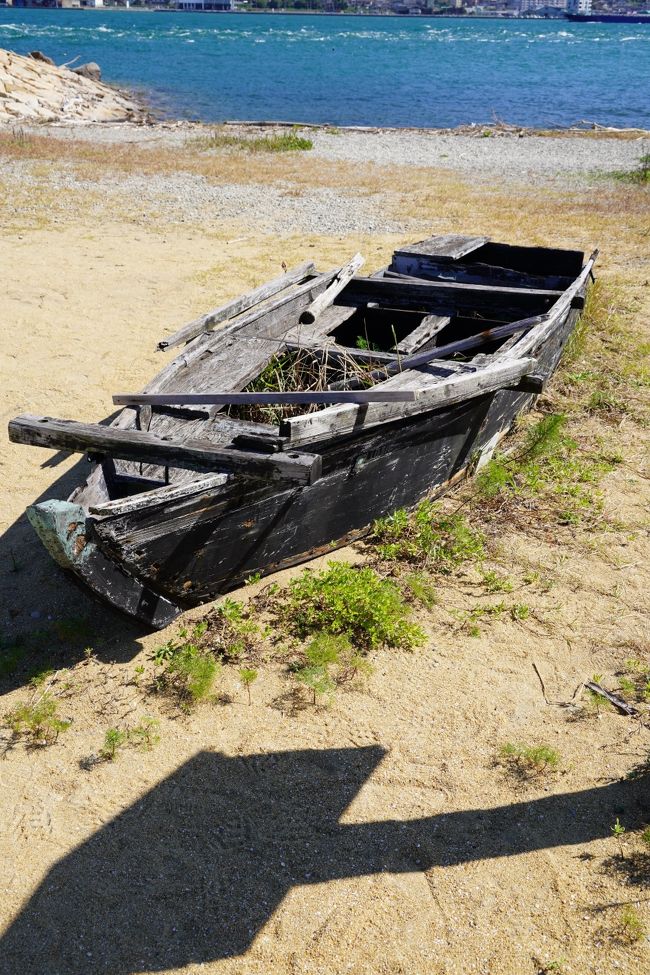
pixel 455 298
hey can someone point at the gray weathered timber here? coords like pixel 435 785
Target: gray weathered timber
pixel 447 297
pixel 158 496
pixel 342 420
pixel 237 306
pixel 324 300
pixel 428 328
pixel 195 455
pixel 325 351
pixel 378 395
pixel 420 266
pixel 451 246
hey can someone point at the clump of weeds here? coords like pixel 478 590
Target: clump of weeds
pixel 283 142
pixel 188 671
pixel 326 662
pixel 528 761
pixel 230 632
pixel 427 538
pixel 547 472
pixel 350 601
pixel 248 676
pixel 38 720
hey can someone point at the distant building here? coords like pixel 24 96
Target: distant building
pixel 198 5
pixel 579 7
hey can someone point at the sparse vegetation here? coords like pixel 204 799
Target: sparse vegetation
pixel 114 739
pixel 427 538
pixel 640 175
pixel 528 761
pixel 327 662
pixel 279 142
pixel 351 601
pixel 631 927
pixel 37 720
pixel 248 675
pixel 188 671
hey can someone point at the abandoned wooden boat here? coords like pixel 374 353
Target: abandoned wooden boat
pixel 297 414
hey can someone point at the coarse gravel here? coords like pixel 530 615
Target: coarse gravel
pixel 506 155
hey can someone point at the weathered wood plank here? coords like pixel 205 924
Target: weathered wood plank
pixel 345 419
pixel 451 246
pixel 135 445
pixel 237 305
pixel 446 296
pixel 426 330
pixel 219 398
pixel 432 269
pixel 324 300
pixel 158 495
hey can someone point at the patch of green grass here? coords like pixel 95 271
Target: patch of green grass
pixel 419 586
pixel 529 760
pixel 549 470
pixel 145 734
pixel 350 601
pixel 283 142
pixel 427 538
pixel 328 661
pixel 38 721
pixel 495 582
pixel 188 670
pixel 640 175
pixel 631 927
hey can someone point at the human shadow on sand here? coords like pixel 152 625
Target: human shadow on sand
pixel 193 870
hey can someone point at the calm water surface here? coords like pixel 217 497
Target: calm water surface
pixel 355 70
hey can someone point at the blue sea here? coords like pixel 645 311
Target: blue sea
pixel 391 71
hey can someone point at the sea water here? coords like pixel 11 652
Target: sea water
pixel 342 70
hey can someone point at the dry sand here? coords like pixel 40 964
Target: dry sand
pixel 376 835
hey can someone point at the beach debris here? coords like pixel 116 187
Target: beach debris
pixel 39 56
pixel 618 702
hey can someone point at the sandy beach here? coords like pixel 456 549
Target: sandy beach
pixel 112 237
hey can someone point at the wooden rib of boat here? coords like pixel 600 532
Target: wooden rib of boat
pixel 403 382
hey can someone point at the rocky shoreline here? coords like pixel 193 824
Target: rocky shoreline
pixel 33 89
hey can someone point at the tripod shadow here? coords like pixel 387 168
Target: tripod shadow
pixel 193 870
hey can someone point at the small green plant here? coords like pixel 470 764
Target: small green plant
pixel 645 836
pixel 38 721
pixel 248 676
pixel 420 587
pixel 230 632
pixel 328 661
pixel 495 582
pixel 114 739
pixel 253 578
pixel 529 760
pixel 427 538
pixel 631 926
pixel 188 670
pixel 520 611
pixel 146 734
pixel 351 601
pixel 618 831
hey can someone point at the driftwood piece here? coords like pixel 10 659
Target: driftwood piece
pixel 237 306
pixel 196 455
pixel 451 246
pixel 432 394
pixel 324 300
pixel 227 398
pixel 618 702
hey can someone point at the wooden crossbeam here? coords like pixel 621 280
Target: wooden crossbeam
pixel 229 398
pixel 196 455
